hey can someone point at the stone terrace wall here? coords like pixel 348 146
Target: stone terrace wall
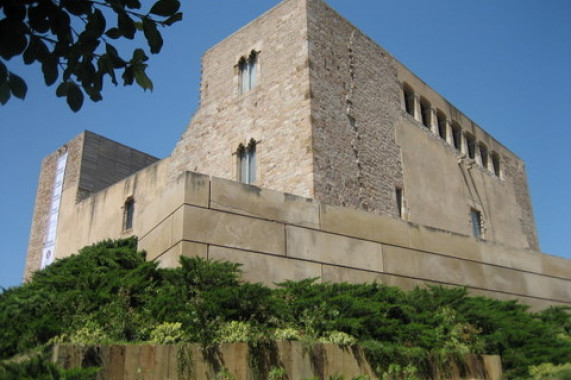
pixel 277 236
pixel 188 362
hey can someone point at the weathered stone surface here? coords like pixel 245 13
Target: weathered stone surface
pixel 333 249
pixel 266 269
pixel 171 258
pixel 444 242
pixel 267 204
pixel 364 225
pixel 352 276
pixel 233 231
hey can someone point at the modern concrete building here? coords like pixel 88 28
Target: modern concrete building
pixel 368 174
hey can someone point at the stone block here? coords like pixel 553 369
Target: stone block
pixel 158 240
pixel 364 225
pixel 197 188
pixel 431 267
pixel 405 283
pixel 266 269
pixel 505 280
pixel 333 249
pixel 444 242
pixel 502 255
pixel 352 276
pixel 233 231
pixel 556 266
pixel 250 200
pixel 171 258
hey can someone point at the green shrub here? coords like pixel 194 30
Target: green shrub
pixel 39 368
pixel 168 333
pixel 550 371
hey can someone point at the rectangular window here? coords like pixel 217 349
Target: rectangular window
pixel 425 112
pixel 441 118
pixel 476 218
pixel 496 163
pixel 408 100
pixel 128 213
pixel 471 145
pixel 457 136
pixel 484 155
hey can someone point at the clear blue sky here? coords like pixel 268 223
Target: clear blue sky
pixel 505 63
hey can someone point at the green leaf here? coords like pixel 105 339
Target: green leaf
pixel 74 97
pixel 113 33
pixel 141 77
pixel 4 93
pixel 62 89
pixel 49 68
pixel 30 54
pixel 114 55
pixel 18 86
pixel 95 24
pixel 77 7
pixel 14 40
pixel 3 73
pixel 174 18
pixel 14 11
pixel 165 7
pixel 128 76
pixel 139 56
pixel 38 18
pixel 126 25
pixel 152 35
pixel 133 4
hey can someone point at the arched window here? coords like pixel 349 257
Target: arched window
pixel 425 112
pixel 128 213
pixel 441 118
pixel 247 162
pixel 247 68
pixel 408 94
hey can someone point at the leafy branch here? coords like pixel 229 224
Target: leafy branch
pixel 71 42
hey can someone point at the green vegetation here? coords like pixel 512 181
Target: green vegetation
pixel 109 293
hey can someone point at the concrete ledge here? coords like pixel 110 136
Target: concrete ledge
pixel 444 242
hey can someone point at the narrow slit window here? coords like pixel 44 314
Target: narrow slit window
pixel 477 228
pixel 128 214
pixel 398 194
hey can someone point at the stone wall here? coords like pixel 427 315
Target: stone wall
pixel 275 113
pixel 189 362
pixel 355 105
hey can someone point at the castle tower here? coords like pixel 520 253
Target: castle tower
pixel 301 101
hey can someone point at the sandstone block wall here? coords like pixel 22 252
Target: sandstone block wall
pixel 189 362
pixel 94 163
pixel 275 113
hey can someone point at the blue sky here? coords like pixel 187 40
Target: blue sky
pixel 505 63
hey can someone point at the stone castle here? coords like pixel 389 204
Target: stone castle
pixel 323 156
